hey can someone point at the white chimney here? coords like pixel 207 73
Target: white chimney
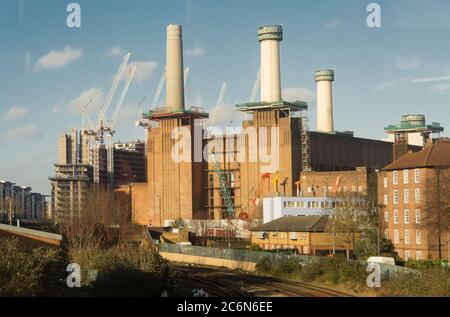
pixel 270 36
pixel 324 79
pixel 174 67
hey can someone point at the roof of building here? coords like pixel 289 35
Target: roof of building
pixel 435 155
pixel 295 224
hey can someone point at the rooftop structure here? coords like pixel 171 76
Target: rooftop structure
pixel 413 130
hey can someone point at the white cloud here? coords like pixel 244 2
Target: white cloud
pixel 389 84
pixel 94 94
pixel 298 94
pixel 407 63
pixel 14 113
pixel 442 88
pixel 196 52
pixel 27 131
pixel 57 108
pixel 28 60
pixel 58 59
pixel 223 116
pixel 114 51
pixel 332 24
pixel 145 70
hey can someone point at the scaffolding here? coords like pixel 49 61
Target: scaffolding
pixel 306 144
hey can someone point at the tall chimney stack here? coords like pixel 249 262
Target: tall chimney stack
pixel 270 36
pixel 324 79
pixel 174 68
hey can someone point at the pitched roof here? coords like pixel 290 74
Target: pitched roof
pixel 435 155
pixel 295 224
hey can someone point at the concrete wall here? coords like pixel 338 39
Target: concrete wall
pixel 201 260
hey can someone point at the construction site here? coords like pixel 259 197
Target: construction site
pixel 215 184
pixel 226 188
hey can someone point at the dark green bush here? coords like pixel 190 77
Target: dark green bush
pixel 123 271
pixel 35 272
pixel 264 265
pixel 312 271
pixel 433 282
pixel 288 265
pixel 425 264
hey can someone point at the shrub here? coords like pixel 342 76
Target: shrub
pixel 312 271
pixel 264 265
pixel 433 282
pixel 35 272
pixel 123 271
pixel 288 265
pixel 425 264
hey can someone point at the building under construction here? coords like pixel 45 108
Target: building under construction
pixel 195 188
pixel 74 172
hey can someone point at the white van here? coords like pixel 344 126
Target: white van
pixel 381 259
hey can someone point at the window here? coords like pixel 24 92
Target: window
pixel 386 234
pixel 395 196
pixel 406 216
pixel 385 182
pixel 407 237
pixel 395 177
pixel 407 255
pixel 395 216
pixel 385 200
pixel 417 215
pixel 396 237
pixel 406 196
pixel 405 176
pixel 417 195
pixel 417 176
pixel 418 237
pixel 293 235
pixel 386 216
pixel 418 255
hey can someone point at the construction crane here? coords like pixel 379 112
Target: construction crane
pixel 219 100
pixel 161 85
pixel 104 108
pixel 109 129
pixel 159 89
pixel 223 186
pixel 102 127
pixel 186 75
pixel 256 86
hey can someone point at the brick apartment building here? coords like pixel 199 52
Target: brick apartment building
pixel 307 234
pixel 414 195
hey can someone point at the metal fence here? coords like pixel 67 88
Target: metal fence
pixel 255 256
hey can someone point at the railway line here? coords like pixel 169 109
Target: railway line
pixel 222 282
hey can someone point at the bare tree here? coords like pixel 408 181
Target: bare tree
pixel 202 230
pixel 102 218
pixel 349 216
pixel 436 209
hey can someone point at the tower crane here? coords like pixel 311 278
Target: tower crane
pixel 104 108
pixel 256 86
pixel 186 75
pixel 219 100
pixel 102 127
pixel 161 85
pixel 109 129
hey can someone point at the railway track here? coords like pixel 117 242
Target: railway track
pixel 221 282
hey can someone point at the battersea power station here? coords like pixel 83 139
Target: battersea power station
pixel 264 158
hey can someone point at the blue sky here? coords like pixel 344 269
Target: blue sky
pixel 47 71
